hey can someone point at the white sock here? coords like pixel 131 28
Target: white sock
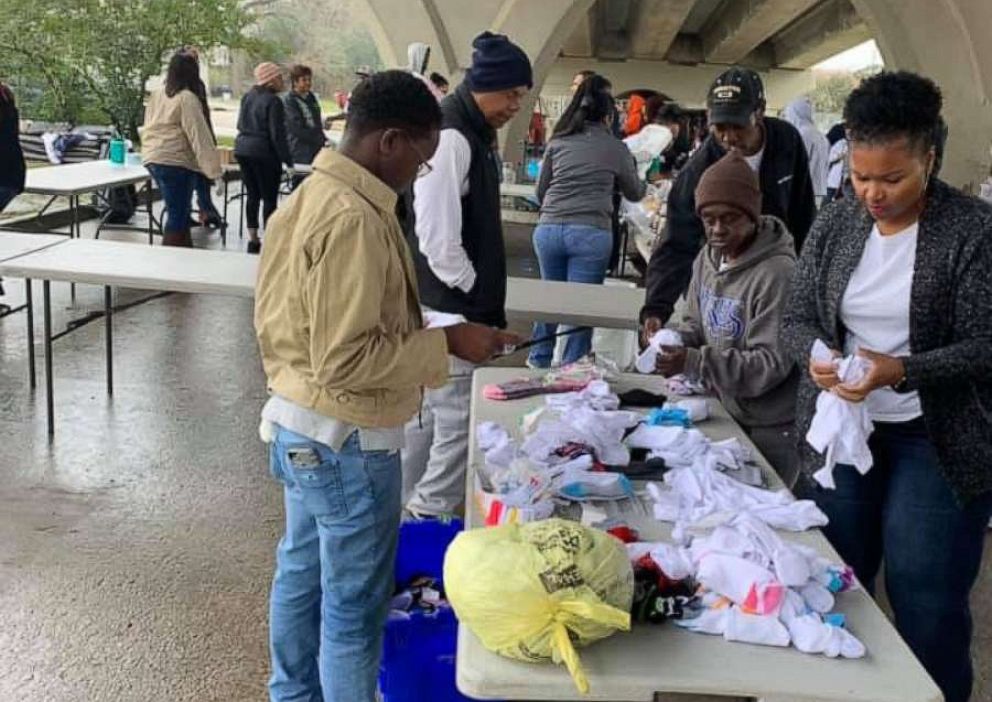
pixel 817 597
pixel 755 629
pixel 732 576
pixel 588 485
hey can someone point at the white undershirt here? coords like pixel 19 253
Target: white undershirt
pixel 875 312
pixel 755 161
pixel 438 206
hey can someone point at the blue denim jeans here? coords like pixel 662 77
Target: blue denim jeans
pixel 204 201
pixel 176 185
pixel 904 513
pixel 575 253
pixel 334 569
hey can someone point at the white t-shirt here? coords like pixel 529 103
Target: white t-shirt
pixel 875 312
pixel 755 161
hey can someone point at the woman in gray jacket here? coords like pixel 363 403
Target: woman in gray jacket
pixel 583 166
pixel 732 312
pixel 899 274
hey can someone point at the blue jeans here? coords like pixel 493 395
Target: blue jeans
pixel 334 569
pixel 903 511
pixel 576 253
pixel 204 202
pixel 176 185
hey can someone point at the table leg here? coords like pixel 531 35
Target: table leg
pixel 30 303
pixel 108 318
pixel 241 202
pixel 223 224
pixel 75 233
pixel 151 214
pixel 49 390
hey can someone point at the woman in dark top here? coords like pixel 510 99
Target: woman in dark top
pixel 261 147
pixel 304 125
pixel 900 275
pixel 583 165
pixel 12 174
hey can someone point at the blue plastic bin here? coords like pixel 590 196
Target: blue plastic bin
pixel 418 654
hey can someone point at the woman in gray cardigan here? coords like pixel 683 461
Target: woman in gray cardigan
pixel 900 275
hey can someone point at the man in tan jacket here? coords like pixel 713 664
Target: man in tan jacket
pixel 347 357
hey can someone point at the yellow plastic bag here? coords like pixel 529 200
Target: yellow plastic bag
pixel 535 591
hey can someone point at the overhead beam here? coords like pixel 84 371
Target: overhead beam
pixel 656 24
pixel 738 27
pixel 828 29
pixel 582 42
pixel 613 29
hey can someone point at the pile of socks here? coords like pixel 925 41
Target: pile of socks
pixel 700 497
pixel 840 429
pixel 748 585
pixel 423 596
pixel 682 447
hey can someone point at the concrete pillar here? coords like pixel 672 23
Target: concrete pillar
pixel 946 40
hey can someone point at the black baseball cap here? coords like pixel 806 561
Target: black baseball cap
pixel 735 95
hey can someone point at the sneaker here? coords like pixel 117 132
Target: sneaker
pixel 255 247
pixel 534 365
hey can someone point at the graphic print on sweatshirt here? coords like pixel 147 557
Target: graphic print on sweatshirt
pixel 722 316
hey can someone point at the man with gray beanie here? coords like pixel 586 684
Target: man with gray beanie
pixel 453 225
pixel 732 313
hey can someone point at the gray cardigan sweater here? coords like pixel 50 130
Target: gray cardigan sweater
pixel 950 320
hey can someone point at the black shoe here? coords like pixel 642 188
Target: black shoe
pixel 254 247
pixel 214 221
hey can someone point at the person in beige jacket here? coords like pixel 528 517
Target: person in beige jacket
pixel 347 356
pixel 177 145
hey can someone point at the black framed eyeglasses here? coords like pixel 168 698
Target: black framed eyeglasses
pixel 425 167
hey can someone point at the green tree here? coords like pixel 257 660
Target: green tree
pixel 99 54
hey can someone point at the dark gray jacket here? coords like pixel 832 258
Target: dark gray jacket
pixel 732 322
pixel 262 128
pixel 304 126
pixel 950 324
pixel 580 174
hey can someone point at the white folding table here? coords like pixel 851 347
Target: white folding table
pixel 77 179
pixel 167 269
pixel 527 190
pixel 113 264
pixel 575 304
pixel 14 245
pixel 654 662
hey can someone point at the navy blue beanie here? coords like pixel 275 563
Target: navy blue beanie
pixel 497 64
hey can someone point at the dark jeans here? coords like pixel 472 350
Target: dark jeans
pixel 176 185
pixel 204 201
pixel 904 512
pixel 261 179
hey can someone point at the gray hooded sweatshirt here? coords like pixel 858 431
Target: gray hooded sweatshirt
pixel 799 113
pixel 731 320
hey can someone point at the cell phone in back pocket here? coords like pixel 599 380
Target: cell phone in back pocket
pixel 303 457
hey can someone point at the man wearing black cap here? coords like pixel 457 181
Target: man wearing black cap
pixel 454 229
pixel 773 148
